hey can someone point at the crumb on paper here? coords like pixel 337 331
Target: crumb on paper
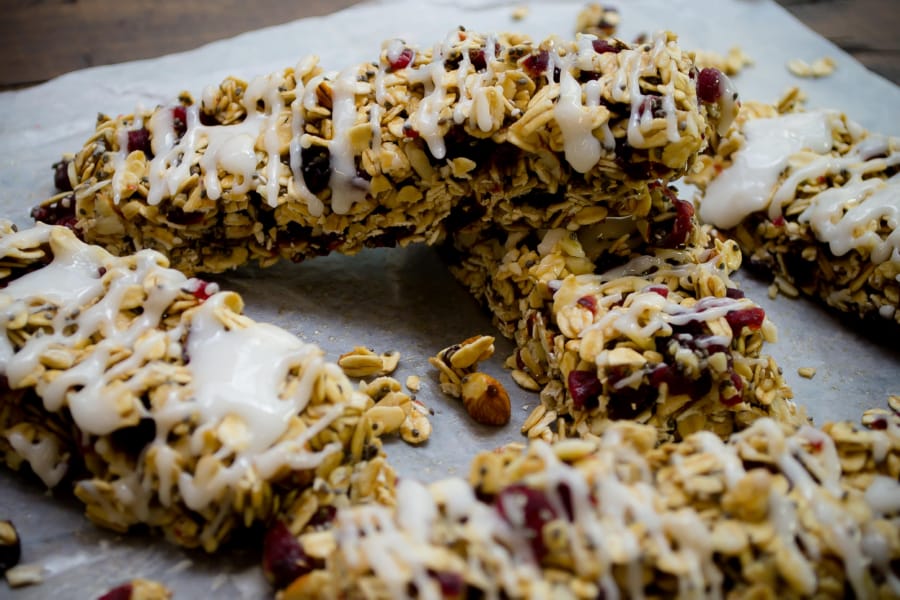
pixel 27 574
pixel 807 372
pixel 773 291
pixel 519 13
pixel 731 63
pixel 821 67
pixel 413 383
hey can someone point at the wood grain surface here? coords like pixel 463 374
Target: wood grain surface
pixel 40 39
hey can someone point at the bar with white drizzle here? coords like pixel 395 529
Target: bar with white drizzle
pixel 772 511
pixel 609 327
pixel 306 161
pixel 815 198
pixel 155 396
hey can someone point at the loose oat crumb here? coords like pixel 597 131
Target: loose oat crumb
pixel 773 291
pixel 821 67
pixel 413 383
pixel 22 575
pixel 807 372
pixel 519 13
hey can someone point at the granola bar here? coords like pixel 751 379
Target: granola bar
pixel 772 512
pixel 304 162
pixel 162 404
pixel 815 199
pixel 664 338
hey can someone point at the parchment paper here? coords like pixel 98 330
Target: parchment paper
pixel 403 299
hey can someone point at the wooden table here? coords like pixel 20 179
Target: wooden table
pixel 39 40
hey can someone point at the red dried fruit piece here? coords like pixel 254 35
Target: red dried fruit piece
pixel 401 60
pixel 139 139
pixel 536 64
pixel 604 46
pixel 452 584
pixel 746 317
pixel 527 510
pixel 179 120
pixel 734 293
pixel 681 226
pixel 200 289
pixel 61 212
pixel 659 289
pixel 736 398
pixel 588 302
pixel 778 221
pixel 710 85
pixel 61 176
pixel 121 592
pixel 585 389
pixel 315 167
pixel 284 559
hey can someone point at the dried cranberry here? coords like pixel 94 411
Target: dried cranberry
pixel 316 168
pixel 452 584
pixel 61 212
pixel 734 293
pixel 139 139
pixel 879 423
pixel 202 290
pixel 284 559
pixel 604 46
pixel 179 120
pixel 323 517
pixel 585 388
pixel 588 302
pixel 410 132
pixel 659 289
pixel 778 221
pixel 745 317
pixel 402 60
pixel 565 496
pixel 682 225
pixel 527 510
pixel 122 592
pixel 710 85
pixel 61 176
pixel 478 59
pixel 536 64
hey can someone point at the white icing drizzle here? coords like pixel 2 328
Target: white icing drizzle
pixel 43 456
pixel 746 186
pixel 231 148
pixel 846 217
pixel 236 389
pixel 346 188
pixel 426 118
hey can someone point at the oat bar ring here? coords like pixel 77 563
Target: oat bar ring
pixel 304 162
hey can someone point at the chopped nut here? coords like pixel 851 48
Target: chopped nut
pixel 485 399
pixel 807 372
